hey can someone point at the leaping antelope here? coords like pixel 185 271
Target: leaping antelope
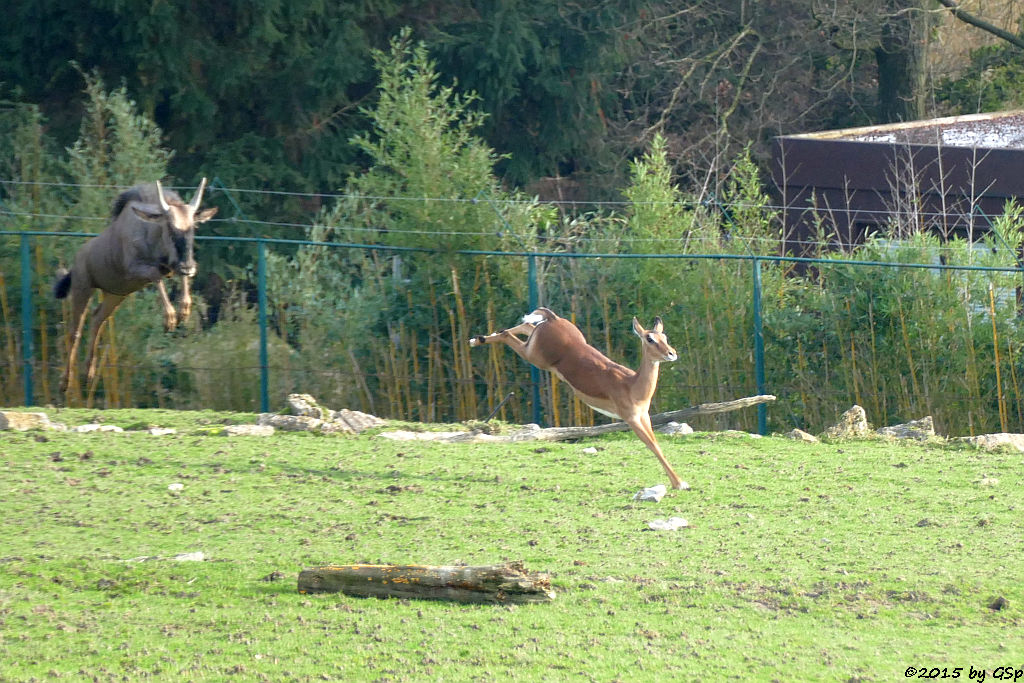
pixel 151 236
pixel 555 344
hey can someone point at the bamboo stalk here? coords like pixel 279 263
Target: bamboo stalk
pixel 879 403
pixel 456 350
pixel 112 393
pixel 1011 361
pixel 910 353
pixel 357 371
pixel 853 359
pixel 971 372
pixel 463 364
pixel 44 341
pixel 1000 400
pixel 9 345
pixel 431 386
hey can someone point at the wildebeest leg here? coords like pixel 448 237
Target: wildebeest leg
pixel 79 302
pixel 99 319
pixel 170 317
pixel 185 301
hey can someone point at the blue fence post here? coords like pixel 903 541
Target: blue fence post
pixel 26 316
pixel 262 297
pixel 533 296
pixel 762 411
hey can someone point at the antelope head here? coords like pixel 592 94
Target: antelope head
pixel 655 344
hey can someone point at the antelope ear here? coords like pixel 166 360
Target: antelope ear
pixel 658 326
pixel 148 212
pixel 204 215
pixel 638 329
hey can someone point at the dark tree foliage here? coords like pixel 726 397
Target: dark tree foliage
pixel 545 75
pixel 261 93
pixel 993 80
pixel 270 93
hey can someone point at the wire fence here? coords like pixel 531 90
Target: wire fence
pixel 916 333
pixel 36 318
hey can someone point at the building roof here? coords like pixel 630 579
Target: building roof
pixel 996 130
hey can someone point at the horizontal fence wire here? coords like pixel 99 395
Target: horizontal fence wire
pixel 903 212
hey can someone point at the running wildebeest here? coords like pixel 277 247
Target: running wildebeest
pixel 151 236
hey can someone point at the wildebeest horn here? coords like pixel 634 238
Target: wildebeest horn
pixel 198 197
pixel 160 194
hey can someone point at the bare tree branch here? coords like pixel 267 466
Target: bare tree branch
pixel 967 18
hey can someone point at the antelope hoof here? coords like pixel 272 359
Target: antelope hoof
pixel 478 340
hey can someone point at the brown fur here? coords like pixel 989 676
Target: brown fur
pixel 557 345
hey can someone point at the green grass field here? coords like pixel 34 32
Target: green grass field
pixel 847 562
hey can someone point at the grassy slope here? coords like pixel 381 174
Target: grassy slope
pixel 802 562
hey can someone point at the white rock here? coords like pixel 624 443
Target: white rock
pixel 95 427
pixel 670 524
pixel 161 431
pixel 651 494
pixel 590 450
pixel 189 557
pixel 289 423
pixel 20 422
pixel 176 486
pixel 405 435
pixel 801 435
pixel 357 421
pixel 674 429
pixel 248 430
pixel 992 441
pixel 853 424
pixel 921 430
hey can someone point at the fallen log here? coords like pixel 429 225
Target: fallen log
pixel 500 583
pixel 569 433
pixel 708 409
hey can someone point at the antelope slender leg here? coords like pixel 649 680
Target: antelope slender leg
pixel 641 425
pixel 185 301
pixel 504 335
pixel 509 338
pixel 170 316
pixel 99 319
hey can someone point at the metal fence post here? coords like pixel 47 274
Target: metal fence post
pixel 762 411
pixel 533 296
pixel 26 317
pixel 262 297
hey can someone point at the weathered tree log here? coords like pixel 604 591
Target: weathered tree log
pixel 501 583
pixel 709 409
pixel 569 433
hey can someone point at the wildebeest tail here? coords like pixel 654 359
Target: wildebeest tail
pixel 63 283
